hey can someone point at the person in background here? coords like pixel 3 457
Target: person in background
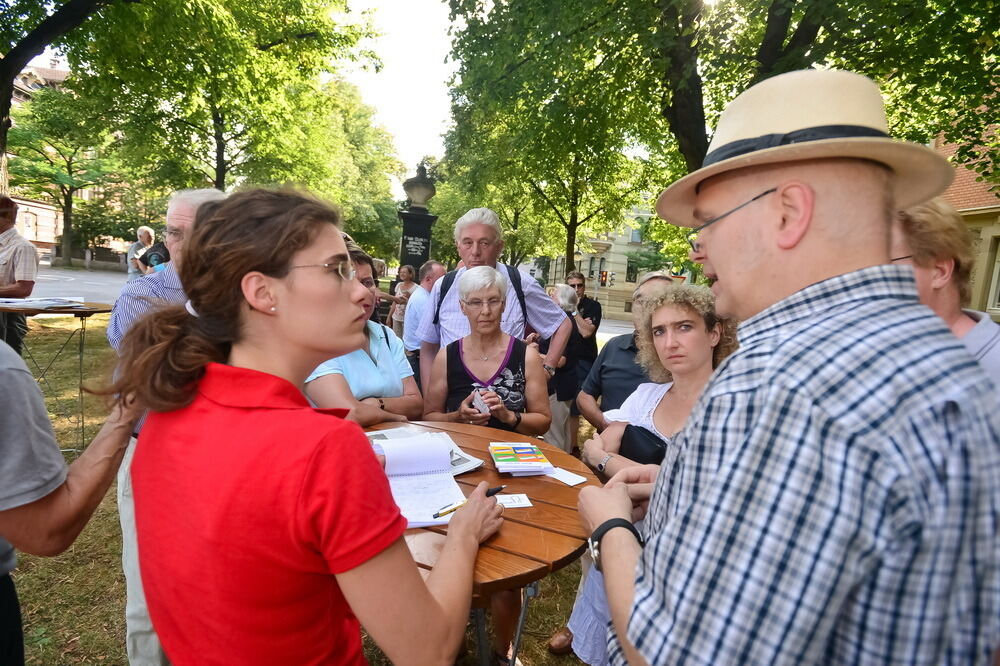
pixel 835 494
pixel 137 299
pixel 144 238
pixel 155 258
pixel 681 341
pixel 43 506
pixel 933 239
pixel 430 272
pixel 588 319
pixel 479 239
pixel 616 374
pixel 267 529
pixel 564 384
pixel 375 382
pixel 18 269
pixel 404 289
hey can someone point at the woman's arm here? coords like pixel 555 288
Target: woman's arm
pixel 415 622
pixel 332 392
pixel 437 393
pixel 410 404
pixel 536 418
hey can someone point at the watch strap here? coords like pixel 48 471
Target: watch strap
pixel 612 523
pixel 604 461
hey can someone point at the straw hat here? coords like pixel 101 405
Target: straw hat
pixel 804 115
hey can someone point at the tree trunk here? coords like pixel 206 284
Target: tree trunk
pixel 683 104
pixel 6 95
pixel 221 168
pixel 574 222
pixel 67 230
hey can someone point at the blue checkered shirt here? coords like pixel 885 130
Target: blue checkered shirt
pixel 139 297
pixel 834 496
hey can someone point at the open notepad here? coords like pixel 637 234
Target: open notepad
pixel 420 477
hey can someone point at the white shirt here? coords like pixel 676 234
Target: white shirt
pixel 543 314
pixel 18 258
pixel 638 408
pixel 983 342
pixel 412 317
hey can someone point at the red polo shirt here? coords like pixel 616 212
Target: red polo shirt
pixel 247 502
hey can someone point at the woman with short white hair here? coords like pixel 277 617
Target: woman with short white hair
pixel 488 377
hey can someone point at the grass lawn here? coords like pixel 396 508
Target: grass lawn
pixel 74 604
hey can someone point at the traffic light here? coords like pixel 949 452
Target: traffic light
pixel 612 283
pixel 604 278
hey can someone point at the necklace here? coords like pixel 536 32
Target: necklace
pixel 481 356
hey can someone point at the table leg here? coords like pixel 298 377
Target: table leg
pixel 528 592
pixel 83 339
pixel 483 645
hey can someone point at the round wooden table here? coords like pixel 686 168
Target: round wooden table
pixel 532 542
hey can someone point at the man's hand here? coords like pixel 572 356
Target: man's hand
pixel 640 481
pixel 598 505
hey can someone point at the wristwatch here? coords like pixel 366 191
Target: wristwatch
pixel 594 542
pixel 549 369
pixel 604 462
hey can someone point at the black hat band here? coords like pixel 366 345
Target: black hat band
pixel 747 146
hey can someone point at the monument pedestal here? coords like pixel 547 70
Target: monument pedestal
pixel 415 245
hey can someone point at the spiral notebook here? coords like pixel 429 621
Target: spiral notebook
pixel 420 477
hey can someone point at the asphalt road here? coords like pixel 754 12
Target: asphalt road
pixel 94 286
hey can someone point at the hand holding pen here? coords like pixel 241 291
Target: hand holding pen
pixel 454 506
pixel 480 515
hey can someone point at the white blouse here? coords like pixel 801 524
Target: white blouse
pixel 638 408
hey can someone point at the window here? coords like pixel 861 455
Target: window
pixel 636 236
pixel 590 268
pixel 631 271
pixel 993 299
pixel 628 306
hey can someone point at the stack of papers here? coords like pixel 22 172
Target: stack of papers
pixel 461 462
pixel 42 303
pixel 519 459
pixel 420 479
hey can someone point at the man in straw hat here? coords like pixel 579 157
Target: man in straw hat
pixel 835 494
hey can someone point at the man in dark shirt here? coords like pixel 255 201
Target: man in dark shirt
pixel 615 374
pixel 588 320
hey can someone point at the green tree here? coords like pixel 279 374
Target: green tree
pixel 117 209
pixel 665 69
pixel 61 146
pixel 222 102
pixel 27 27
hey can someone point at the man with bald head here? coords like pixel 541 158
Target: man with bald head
pixel 136 299
pixel 835 494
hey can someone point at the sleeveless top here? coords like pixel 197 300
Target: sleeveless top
pixel 508 381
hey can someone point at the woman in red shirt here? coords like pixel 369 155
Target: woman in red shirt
pixel 266 527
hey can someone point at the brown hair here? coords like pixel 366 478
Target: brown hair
pixel 413 271
pixel 934 230
pixel 575 275
pixel 697 299
pixel 165 352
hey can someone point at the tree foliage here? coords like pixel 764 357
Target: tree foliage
pixel 655 75
pixel 62 146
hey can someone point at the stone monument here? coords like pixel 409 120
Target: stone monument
pixel 415 245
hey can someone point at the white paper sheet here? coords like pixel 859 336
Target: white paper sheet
pixel 567 477
pixel 516 501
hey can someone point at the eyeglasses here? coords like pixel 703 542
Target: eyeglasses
pixel 892 261
pixel 477 304
pixel 693 236
pixel 367 283
pixel 345 269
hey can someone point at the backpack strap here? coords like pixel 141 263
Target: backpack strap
pixel 446 282
pixel 515 281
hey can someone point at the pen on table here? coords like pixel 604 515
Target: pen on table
pixel 449 508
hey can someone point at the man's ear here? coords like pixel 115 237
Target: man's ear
pixel 942 271
pixel 796 201
pixel 258 291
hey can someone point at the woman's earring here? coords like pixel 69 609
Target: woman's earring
pixel 274 309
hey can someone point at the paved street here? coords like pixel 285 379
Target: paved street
pixel 95 286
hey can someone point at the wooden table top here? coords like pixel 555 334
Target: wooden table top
pixel 86 311
pixel 532 542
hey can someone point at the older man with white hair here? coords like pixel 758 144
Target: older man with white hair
pixel 136 299
pixel 835 495
pixel 479 238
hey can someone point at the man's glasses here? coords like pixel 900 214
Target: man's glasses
pixel 693 236
pixel 908 256
pixel 177 234
pixel 344 269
